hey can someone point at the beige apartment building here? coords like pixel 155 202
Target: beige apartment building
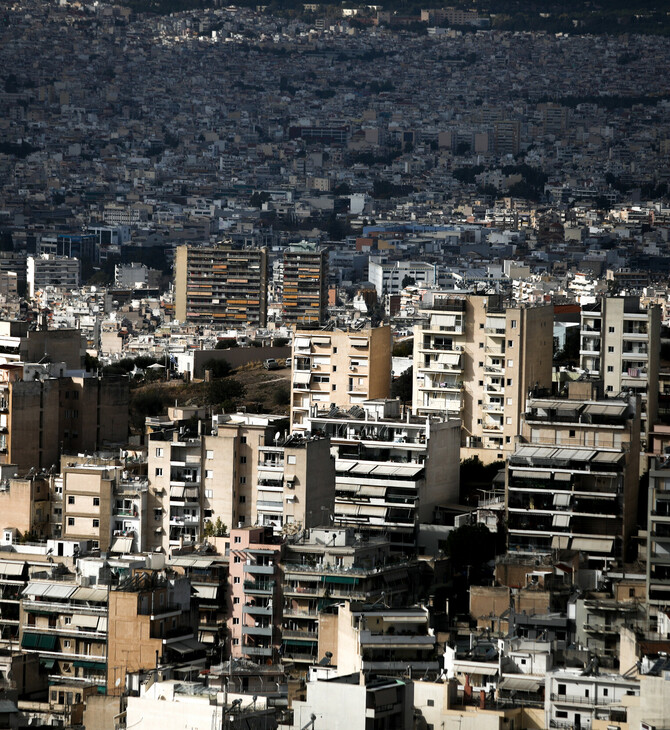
pixel 476 359
pixel 339 367
pixel 239 468
pixel 620 344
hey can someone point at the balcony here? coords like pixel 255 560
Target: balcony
pixel 257 630
pixel 300 635
pixel 257 610
pixel 259 569
pixel 257 650
pixel 259 587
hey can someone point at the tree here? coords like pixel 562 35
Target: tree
pixel 218 368
pixel 470 547
pixel 401 387
pixel 226 392
pixel 281 395
pixel 220 530
pixel 408 281
pixel 404 348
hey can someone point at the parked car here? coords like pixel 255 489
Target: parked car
pixel 289 362
pixel 271 364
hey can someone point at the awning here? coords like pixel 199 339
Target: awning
pixel 495 323
pixel 562 500
pixel 47 663
pixel 98 595
pixel 358 341
pixel 85 622
pixel 450 358
pixel 301 376
pixel 122 545
pixel 187 646
pixel 297 642
pixel 11 568
pixel 50 590
pixel 207 593
pixel 102 623
pixel 562 476
pixel 30 640
pixel 560 542
pixel 301 343
pixel 518 474
pixel 191 493
pixel 85 664
pixel 520 684
pixel 321 340
pixel 560 521
pixel 273 476
pixel 605 409
pixel 608 457
pixel 592 544
pixel 177 492
pixel 348 579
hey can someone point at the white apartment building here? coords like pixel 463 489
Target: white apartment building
pixel 51 270
pixel 388 277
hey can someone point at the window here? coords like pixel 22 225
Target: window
pixel 481 364
pixel 334 386
pixel 572 433
pixel 513 323
pixel 334 370
pixel 237 559
pixel 236 642
pixel 158 514
pixel 70 500
pixel 481 345
pixel 481 325
pixel 209 474
pixel 611 329
pixel 67 643
pixel 508 421
pixel 96 501
pixel 610 348
pixel 291 459
pixel 508 439
pixel 321 378
pixel 510 363
pixel 208 513
pixel 209 454
pixel 509 401
pixel 96 523
pixel 610 388
pixel 334 350
pixel 561 689
pixel 561 713
pixel 236 601
pixel 479 402
pixel 236 579
pixel 241 519
pixel 243 480
pixel 631 594
pixel 430 703
pixel 481 383
pixel 209 493
pixel 70 521
pixel 236 621
pixel 610 368
pixel 605 689
pixel 509 381
pixel 159 453
pixel 243 499
pixel 510 343
pixel 243 439
pixel 237 539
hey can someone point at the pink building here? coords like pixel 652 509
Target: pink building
pixel 255 610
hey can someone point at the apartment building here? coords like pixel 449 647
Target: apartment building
pixel 392 468
pixel 658 535
pixel 329 565
pixel 25 502
pixel 51 270
pixel 573 480
pixel 237 468
pixel 477 358
pixel 620 343
pixel 379 640
pixel 255 607
pixel 152 621
pixel 221 284
pixel 339 367
pixel 305 285
pixel 44 412
pixel 391 277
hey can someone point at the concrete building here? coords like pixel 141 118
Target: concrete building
pixel 50 270
pixel 254 604
pixel 340 367
pixel 328 566
pixel 221 284
pixel 352 702
pixel 392 469
pixel 389 277
pixel 20 343
pixel 379 640
pixel 305 286
pixel 620 343
pixel 658 535
pixel 478 359
pixel 573 482
pixel 136 276
pixel 152 621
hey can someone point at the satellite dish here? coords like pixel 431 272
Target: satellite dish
pixel 277 436
pixel 118 682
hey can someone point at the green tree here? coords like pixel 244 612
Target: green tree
pixel 401 387
pixel 220 530
pixel 218 368
pixel 226 393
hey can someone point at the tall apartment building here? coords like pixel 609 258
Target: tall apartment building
pixel 620 344
pixel 658 535
pixel 50 270
pixel 477 359
pixel 45 412
pixel 238 468
pixel 331 565
pixel 338 367
pixel 305 285
pixel 392 469
pixel 389 276
pixel 572 483
pixel 221 284
pixel 254 626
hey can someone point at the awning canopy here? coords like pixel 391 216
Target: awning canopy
pixel 85 664
pixel 207 593
pixel 85 622
pixel 605 409
pixel 30 640
pixel 48 590
pixel 97 595
pixel 177 492
pixel 301 376
pixel 122 545
pixel 592 544
pixel 520 684
pixel 186 646
pixel 608 457
pixel 11 568
pixel 301 343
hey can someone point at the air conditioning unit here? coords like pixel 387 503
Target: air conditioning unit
pixel 458 348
